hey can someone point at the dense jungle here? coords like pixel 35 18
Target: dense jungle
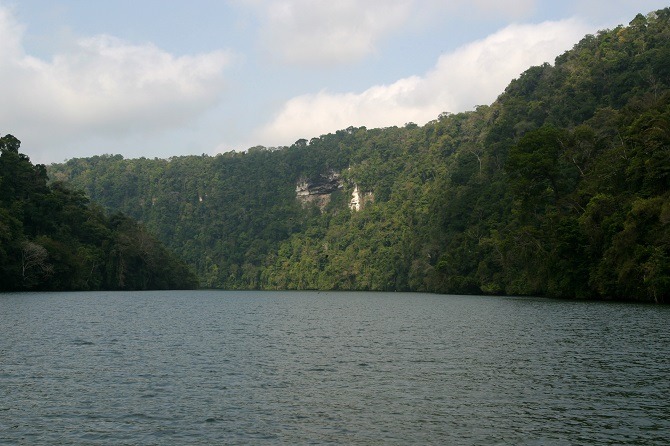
pixel 561 187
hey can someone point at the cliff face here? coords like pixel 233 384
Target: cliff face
pixel 360 199
pixel 318 190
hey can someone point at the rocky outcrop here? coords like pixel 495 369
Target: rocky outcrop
pixel 318 190
pixel 359 199
pixel 355 202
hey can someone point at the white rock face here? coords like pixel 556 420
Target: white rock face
pixel 355 203
pixel 318 190
pixel 302 189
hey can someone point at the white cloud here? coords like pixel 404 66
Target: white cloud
pixel 327 32
pixel 100 85
pixel 509 8
pixel 10 35
pixel 474 74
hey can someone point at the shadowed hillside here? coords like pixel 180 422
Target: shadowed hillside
pixel 52 238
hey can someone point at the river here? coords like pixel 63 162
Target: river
pixel 216 367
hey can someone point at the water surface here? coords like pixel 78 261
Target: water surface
pixel 211 367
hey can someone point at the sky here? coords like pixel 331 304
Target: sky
pixel 163 78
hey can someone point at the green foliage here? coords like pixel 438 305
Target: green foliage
pixel 559 188
pixel 51 238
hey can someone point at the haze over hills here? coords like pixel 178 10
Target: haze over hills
pixel 561 187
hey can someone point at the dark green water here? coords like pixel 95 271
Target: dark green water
pixel 213 367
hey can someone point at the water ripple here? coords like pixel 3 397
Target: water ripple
pixel 343 368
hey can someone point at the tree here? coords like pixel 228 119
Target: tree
pixel 34 265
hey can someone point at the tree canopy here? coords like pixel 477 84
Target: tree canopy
pixel 53 238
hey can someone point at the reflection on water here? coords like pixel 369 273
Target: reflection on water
pixel 213 367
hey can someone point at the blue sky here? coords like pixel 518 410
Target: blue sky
pixel 173 77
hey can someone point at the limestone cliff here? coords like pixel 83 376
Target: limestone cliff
pixel 318 190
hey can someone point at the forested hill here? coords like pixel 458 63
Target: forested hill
pixel 561 187
pixel 51 238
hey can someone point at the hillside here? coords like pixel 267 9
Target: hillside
pixel 561 187
pixel 52 238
